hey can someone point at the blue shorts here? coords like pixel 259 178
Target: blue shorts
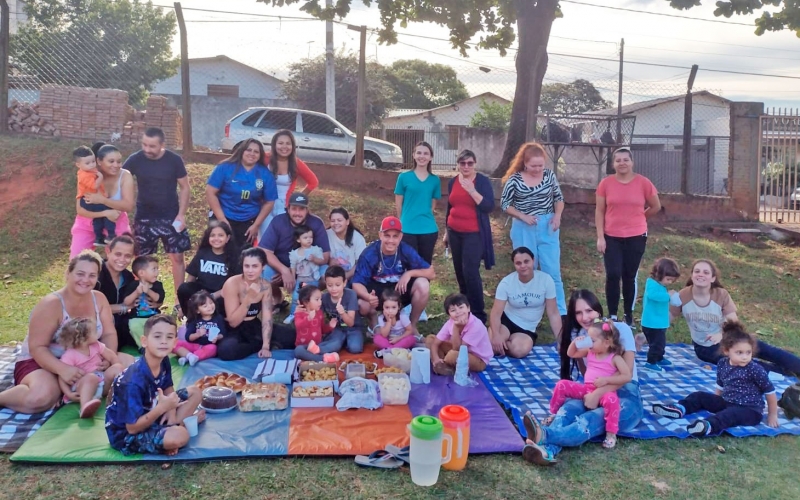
pixel 148 441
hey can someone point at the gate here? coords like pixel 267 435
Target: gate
pixel 779 171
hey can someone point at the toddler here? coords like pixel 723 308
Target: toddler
pixel 304 261
pixel 310 325
pixel 204 328
pixel 394 328
pixel 462 328
pixel 655 311
pixel 90 180
pixel 144 296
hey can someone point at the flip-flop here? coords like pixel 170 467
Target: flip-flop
pixel 399 453
pixel 532 428
pixel 380 459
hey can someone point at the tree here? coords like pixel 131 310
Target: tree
pixel 492 20
pixel 306 86
pixel 494 116
pixel 786 18
pixel 573 98
pixel 97 43
pixel 419 84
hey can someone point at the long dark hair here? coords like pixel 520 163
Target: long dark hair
pixel 351 228
pixel 273 156
pixel 238 153
pixel 197 300
pixel 231 257
pixel 430 148
pixel 571 325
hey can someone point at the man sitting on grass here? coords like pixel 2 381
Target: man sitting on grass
pixel 145 414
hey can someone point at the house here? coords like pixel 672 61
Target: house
pixel 221 88
pixel 438 126
pixel 17 16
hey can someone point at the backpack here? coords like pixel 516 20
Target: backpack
pixel 790 401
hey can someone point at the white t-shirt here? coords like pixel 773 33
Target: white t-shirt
pixel 525 302
pixel 706 320
pixel 346 255
pixel 398 329
pixel 625 338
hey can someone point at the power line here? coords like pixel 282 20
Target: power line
pixel 718 21
pixel 171 7
pixel 716 53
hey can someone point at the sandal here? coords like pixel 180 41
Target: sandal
pixel 610 441
pixel 399 453
pixel 442 368
pixel 380 459
pixel 533 430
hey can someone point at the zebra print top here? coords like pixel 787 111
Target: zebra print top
pixel 537 200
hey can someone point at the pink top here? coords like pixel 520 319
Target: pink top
pixel 474 336
pixel 625 204
pixel 596 368
pixel 90 363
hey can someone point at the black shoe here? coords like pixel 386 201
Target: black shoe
pixel 378 354
pixel 669 411
pixel 699 428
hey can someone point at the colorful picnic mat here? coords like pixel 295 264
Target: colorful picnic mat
pixel 527 384
pixel 15 427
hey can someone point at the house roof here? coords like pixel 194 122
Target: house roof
pixel 638 106
pixel 396 113
pixel 222 58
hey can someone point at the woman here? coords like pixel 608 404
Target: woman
pixel 346 242
pixel 38 367
pixel 215 260
pixel 706 305
pixel 415 195
pixel 118 184
pixel 241 192
pixel 574 424
pixel 624 202
pixel 532 196
pixel 468 232
pixel 286 168
pixel 114 275
pixel 521 299
pixel 248 311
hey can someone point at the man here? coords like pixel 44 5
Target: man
pixel 390 263
pixel 160 209
pixel 279 239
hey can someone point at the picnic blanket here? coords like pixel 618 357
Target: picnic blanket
pixel 527 384
pixel 15 427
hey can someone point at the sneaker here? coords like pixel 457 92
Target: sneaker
pixel 629 321
pixel 640 341
pixel 289 319
pixel 182 361
pixel 653 367
pixel 665 362
pixel 99 243
pixel 669 411
pixel 378 354
pixel 699 428
pixel 192 359
pixel 538 454
pixel 331 357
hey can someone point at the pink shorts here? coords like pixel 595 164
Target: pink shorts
pixel 83 234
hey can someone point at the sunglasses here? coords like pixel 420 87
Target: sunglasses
pixel 466 163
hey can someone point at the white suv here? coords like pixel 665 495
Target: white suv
pixel 320 138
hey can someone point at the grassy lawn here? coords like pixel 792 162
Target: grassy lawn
pixel 762 278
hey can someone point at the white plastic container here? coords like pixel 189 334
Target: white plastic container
pixel 404 363
pixel 425 453
pixel 355 370
pixel 391 395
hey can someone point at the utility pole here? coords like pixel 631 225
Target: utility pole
pixel 5 36
pixel 186 92
pixel 618 138
pixel 361 106
pixel 330 68
pixel 686 156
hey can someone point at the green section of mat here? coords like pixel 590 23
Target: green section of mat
pixel 66 438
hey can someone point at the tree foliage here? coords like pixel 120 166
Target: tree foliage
pixel 118 44
pixel 418 84
pixel 573 98
pixel 788 17
pixel 492 115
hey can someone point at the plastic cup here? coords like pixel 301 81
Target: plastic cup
pixel 191 425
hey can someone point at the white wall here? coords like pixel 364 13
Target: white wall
pixel 252 83
pixel 667 118
pixel 17 16
pixel 455 114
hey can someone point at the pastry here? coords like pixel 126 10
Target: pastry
pixel 264 397
pixel 222 379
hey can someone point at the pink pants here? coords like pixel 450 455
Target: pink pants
pixel 83 234
pixel 383 342
pixel 201 351
pixel 567 389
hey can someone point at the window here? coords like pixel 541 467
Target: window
pixel 251 120
pixel 277 119
pixel 313 124
pixel 452 136
pixel 222 90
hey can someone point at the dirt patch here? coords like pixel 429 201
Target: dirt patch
pixel 22 185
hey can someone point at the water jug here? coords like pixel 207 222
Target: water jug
pixel 425 453
pixel 455 420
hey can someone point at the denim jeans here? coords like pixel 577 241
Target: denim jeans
pixel 544 243
pixel 354 340
pixel 772 358
pixel 574 424
pixel 333 342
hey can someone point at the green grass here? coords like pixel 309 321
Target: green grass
pixel 762 278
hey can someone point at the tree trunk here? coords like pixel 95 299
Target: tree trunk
pixel 533 29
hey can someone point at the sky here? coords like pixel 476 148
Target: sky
pixel 271 45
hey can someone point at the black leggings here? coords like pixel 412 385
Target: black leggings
pixel 622 259
pixel 246 339
pixel 423 244
pixel 467 251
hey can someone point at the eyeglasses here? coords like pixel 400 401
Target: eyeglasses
pixel 466 164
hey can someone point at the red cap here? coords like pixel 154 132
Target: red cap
pixel 390 223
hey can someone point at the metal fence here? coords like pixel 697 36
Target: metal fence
pixel 779 172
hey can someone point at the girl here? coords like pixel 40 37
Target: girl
pixel 415 196
pixel 86 352
pixel 203 330
pixel 215 260
pixel 310 324
pixel 394 329
pixel 346 242
pixel 605 370
pixel 655 310
pixel 304 268
pixel 741 387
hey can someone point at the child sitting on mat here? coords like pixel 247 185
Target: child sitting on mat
pixel 310 325
pixel 145 414
pixel 742 385
pixel 85 351
pixel 341 304
pixel 462 328
pixel 605 372
pixel 394 328
pixel 204 328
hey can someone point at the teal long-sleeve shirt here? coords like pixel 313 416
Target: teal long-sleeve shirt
pixel 655 305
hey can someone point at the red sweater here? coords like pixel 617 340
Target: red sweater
pixel 310 329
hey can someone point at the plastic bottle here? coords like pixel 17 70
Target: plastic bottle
pixel 455 419
pixel 425 452
pixel 462 368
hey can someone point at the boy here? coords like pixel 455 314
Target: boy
pixel 90 181
pixel 144 296
pixel 462 328
pixel 145 414
pixel 341 304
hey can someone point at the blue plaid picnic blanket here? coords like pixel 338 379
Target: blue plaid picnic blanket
pixel 527 384
pixel 15 427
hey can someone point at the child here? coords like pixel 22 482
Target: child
pixel 85 351
pixel 655 311
pixel 204 329
pixel 90 180
pixel 741 387
pixel 304 261
pixel 144 296
pixel 310 325
pixel 462 328
pixel 605 372
pixel 216 259
pixel 145 413
pixel 394 329
pixel 341 304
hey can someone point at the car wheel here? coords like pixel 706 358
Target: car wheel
pixel 372 161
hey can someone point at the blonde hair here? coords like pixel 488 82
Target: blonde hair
pixel 527 150
pixel 86 256
pixel 75 332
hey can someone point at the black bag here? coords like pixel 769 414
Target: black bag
pixel 790 401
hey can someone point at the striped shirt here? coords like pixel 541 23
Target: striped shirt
pixel 537 200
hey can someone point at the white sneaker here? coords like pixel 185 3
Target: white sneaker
pixel 192 359
pixel 289 319
pixel 182 361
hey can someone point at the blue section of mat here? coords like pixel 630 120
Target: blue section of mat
pixel 527 384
